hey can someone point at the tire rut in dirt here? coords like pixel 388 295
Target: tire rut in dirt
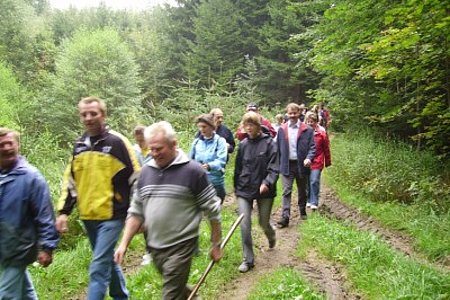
pixel 331 206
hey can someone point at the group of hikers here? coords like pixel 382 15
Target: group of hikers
pixel 156 188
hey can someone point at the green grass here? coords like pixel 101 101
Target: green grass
pixel 429 231
pixel 374 269
pixel 284 283
pixel 68 275
pixel 387 180
pixel 386 170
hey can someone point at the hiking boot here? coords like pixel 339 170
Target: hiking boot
pixel 313 207
pixel 245 267
pixel 308 204
pixel 284 222
pixel 272 243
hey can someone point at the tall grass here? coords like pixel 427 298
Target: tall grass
pixel 386 170
pixel 381 178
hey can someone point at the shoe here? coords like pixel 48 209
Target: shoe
pixel 313 207
pixel 245 267
pixel 146 259
pixel 272 243
pixel 284 222
pixel 308 204
pixel 303 217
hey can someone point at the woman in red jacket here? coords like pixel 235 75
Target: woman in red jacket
pixel 322 158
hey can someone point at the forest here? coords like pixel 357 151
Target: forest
pixel 381 67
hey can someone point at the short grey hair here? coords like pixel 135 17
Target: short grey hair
pixel 163 127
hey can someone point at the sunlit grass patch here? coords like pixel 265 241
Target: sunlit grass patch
pixel 374 268
pixel 284 283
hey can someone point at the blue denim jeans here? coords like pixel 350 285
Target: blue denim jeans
pixel 314 187
pixel 103 271
pixel 15 284
pixel 264 211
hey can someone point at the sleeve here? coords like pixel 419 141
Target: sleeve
pixel 272 165
pixel 311 145
pixel 206 197
pixel 136 206
pixel 230 141
pixel 269 126
pixel 68 196
pixel 326 149
pixel 238 165
pixel 132 163
pixel 192 149
pixel 44 217
pixel 220 157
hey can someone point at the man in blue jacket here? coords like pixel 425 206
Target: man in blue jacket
pixel 27 221
pixel 296 149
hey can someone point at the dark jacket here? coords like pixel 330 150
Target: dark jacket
pixel 256 163
pixel 226 133
pixel 306 148
pixel 27 221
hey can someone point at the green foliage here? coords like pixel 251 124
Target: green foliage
pixel 386 170
pixel 284 283
pixel 25 41
pixel 386 65
pixel 373 268
pixel 95 63
pixel 10 92
pixel 216 52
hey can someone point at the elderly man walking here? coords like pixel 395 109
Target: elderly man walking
pixel 27 221
pixel 172 191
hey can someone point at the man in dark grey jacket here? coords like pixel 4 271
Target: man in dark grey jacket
pixel 172 191
pixel 296 149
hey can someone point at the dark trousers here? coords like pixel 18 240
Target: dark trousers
pixel 287 182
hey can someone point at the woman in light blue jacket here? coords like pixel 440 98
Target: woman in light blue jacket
pixel 210 150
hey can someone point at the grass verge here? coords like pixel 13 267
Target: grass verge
pixel 284 283
pixel 375 270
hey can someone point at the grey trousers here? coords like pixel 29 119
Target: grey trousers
pixel 264 211
pixel 174 264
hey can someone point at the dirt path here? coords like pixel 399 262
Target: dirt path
pixel 326 278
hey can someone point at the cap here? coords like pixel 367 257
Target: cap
pixel 252 106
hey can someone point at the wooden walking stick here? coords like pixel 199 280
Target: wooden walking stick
pixel 211 263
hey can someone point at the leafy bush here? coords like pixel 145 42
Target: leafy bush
pixel 92 63
pixel 386 170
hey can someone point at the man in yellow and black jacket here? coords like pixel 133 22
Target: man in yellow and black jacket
pixel 98 180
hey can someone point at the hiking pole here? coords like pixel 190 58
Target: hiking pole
pixel 212 262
